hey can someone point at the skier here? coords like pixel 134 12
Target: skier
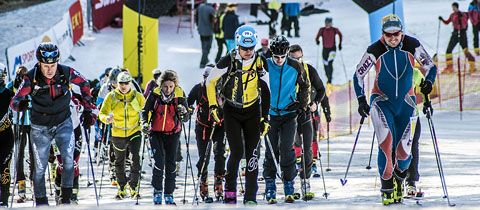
pixel 204 20
pixel 286 76
pixel 459 20
pixel 48 86
pixel 218 30
pixel 168 108
pixel 121 108
pixel 329 48
pixel 153 83
pixel 6 134
pixel 203 130
pixel 24 126
pixel 245 99
pixel 317 96
pixel 292 10
pixel 393 100
pixel 474 16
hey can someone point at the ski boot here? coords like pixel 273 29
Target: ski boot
pixel 230 197
pixel 157 197
pixel 74 198
pixel 299 164
pixel 218 186
pixel 134 192
pixel 289 190
pixel 314 168
pixel 411 189
pixel 249 203
pixel 204 191
pixel 270 191
pixel 387 196
pixel 398 189
pixel 122 192
pixel 41 201
pixel 22 197
pixel 307 195
pixel 65 196
pixel 169 199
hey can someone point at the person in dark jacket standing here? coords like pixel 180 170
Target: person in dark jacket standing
pixel 206 13
pixel 329 48
pixel 459 20
pixel 203 132
pixel 474 16
pixel 230 25
pixel 48 85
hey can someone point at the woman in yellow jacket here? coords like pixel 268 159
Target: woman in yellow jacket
pixel 121 108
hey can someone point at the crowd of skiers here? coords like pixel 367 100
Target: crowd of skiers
pixel 270 94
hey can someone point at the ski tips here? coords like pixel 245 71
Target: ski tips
pixel 344 182
pixel 328 169
pixel 368 167
pixel 325 195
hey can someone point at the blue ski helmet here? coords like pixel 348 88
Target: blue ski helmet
pixel 246 36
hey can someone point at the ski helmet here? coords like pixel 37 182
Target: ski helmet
pixel 246 36
pixel 391 23
pixel 113 75
pixel 48 52
pixel 279 45
pixel 124 77
pixel 156 71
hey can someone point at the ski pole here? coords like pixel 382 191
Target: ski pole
pixel 189 161
pixel 343 63
pixel 437 152
pixel 242 191
pixel 318 55
pixel 323 177
pixel 206 158
pixel 274 157
pixel 103 163
pixel 141 166
pixel 438 39
pixel 50 180
pixel 344 180
pixel 99 147
pixel 87 138
pixel 19 133
pixel 371 151
pixel 300 134
pixel 328 147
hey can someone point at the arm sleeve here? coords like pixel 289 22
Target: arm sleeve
pixel 147 107
pixel 319 34
pixel 448 20
pixel 303 93
pixel 78 79
pixel 339 36
pixel 193 95
pixel 219 70
pixel 106 108
pixel 265 98
pixel 183 102
pixel 23 90
pixel 424 59
pixel 368 60
pixel 317 84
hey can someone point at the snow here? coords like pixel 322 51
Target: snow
pixel 458 140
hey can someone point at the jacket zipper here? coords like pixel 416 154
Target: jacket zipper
pixel 280 87
pixel 396 73
pixel 125 108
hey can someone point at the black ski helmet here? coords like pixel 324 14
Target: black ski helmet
pixel 113 75
pixel 279 45
pixel 48 52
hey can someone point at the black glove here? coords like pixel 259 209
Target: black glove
pixel 363 107
pixel 427 105
pixel 318 42
pixel 326 112
pixel 440 18
pixel 23 105
pixel 87 118
pixel 340 46
pixel 426 87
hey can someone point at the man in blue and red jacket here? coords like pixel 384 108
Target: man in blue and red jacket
pixel 48 86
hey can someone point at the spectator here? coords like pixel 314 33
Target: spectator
pixel 293 10
pixel 329 49
pixel 230 25
pixel 205 17
pixel 218 30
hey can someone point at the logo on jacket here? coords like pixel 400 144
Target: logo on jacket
pixel 365 66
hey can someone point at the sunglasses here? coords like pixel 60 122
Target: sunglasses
pixel 392 34
pixel 279 56
pixel 246 48
pixel 124 83
pixel 49 54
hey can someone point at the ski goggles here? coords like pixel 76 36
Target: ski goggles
pixel 124 83
pixel 52 54
pixel 392 34
pixel 279 56
pixel 246 48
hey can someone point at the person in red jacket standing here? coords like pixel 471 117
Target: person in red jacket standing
pixel 459 20
pixel 329 49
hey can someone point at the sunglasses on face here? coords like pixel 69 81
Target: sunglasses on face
pixel 49 54
pixel 246 48
pixel 279 56
pixel 124 83
pixel 392 34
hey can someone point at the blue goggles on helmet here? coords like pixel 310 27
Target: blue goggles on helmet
pixel 52 54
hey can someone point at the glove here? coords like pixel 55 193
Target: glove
pixel 181 110
pixel 318 42
pixel 326 112
pixel 363 108
pixel 145 128
pixel 191 109
pixel 264 126
pixel 427 105
pixel 87 118
pixel 440 18
pixel 340 46
pixel 214 113
pixel 426 87
pixel 23 105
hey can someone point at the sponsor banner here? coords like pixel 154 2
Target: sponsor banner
pixel 104 11
pixel 21 54
pixel 76 19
